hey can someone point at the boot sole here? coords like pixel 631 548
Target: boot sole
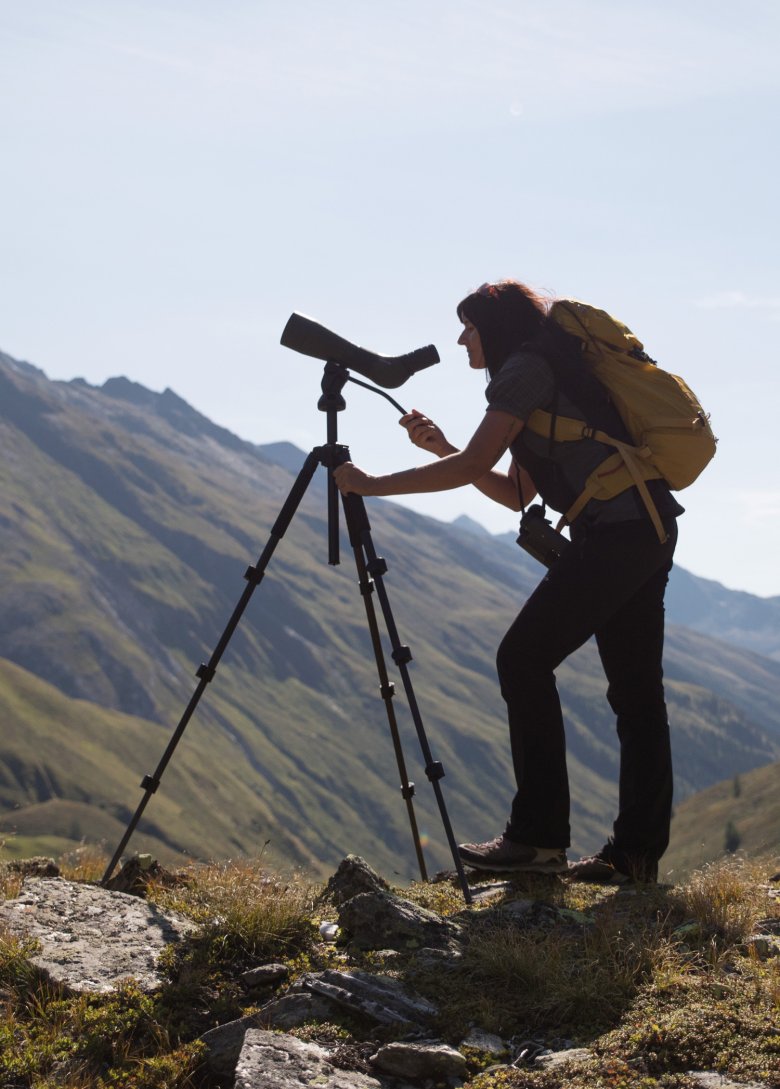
pixel 515 867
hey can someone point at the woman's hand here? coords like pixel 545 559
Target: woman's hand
pixel 351 479
pixel 423 432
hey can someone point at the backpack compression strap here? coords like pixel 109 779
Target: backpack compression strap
pixel 629 465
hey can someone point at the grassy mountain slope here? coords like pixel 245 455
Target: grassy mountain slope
pixel 740 815
pixel 127 521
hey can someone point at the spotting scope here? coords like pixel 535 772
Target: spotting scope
pixel 308 337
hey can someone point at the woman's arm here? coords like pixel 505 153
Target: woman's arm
pixel 503 487
pixel 496 485
pixel 486 446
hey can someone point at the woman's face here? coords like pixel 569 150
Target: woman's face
pixel 470 340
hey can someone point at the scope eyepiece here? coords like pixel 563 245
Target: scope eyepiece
pixel 308 337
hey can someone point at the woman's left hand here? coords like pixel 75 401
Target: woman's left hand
pixel 351 479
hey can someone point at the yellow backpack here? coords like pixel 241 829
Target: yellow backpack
pixel 672 436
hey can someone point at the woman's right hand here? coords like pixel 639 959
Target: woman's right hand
pixel 423 432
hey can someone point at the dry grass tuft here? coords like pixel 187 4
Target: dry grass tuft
pixel 86 863
pixel 245 910
pixel 724 899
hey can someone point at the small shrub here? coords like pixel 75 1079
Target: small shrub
pixel 731 838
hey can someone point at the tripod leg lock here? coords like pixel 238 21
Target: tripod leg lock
pixel 377 566
pixel 407 791
pixel 401 655
pixel 387 691
pixel 205 672
pixel 150 783
pixel 253 575
pixel 366 587
pixel 435 771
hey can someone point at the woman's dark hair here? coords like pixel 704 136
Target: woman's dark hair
pixel 506 314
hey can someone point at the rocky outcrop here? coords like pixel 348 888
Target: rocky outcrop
pixel 353 876
pixel 91 939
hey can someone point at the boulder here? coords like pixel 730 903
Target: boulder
pixel 271 1060
pixel 92 939
pixel 421 1060
pixel 377 920
pixel 257 1058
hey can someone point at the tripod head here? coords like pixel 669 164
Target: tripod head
pixel 308 337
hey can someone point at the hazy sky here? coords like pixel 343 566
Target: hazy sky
pixel 179 176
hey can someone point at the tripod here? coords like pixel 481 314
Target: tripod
pixel 371 569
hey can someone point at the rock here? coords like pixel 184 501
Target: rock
pixel 442 959
pixel 381 998
pixel 234 1047
pixel 265 975
pixel 135 875
pixel 224 1043
pixel 486 1042
pixel 34 867
pixel 292 1010
pixel 272 1060
pixel 762 946
pixel 486 890
pixel 529 913
pixel 92 939
pixel 353 876
pixel 374 920
pixel 420 1060
pixel 718 1081
pixel 551 1060
pixel 516 909
pixel 770 925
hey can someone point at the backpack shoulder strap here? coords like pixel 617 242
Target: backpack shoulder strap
pixel 629 465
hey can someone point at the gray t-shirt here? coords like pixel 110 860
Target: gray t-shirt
pixel 526 382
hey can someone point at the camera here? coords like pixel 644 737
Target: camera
pixel 538 537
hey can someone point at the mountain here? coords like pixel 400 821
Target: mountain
pixel 127 521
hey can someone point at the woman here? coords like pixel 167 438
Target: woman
pixel 608 583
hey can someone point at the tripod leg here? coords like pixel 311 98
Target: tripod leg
pixel 360 533
pixel 205 672
pixel 387 690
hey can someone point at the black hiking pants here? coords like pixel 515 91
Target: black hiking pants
pixel 610 583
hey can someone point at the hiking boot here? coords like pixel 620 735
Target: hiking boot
pixel 502 854
pixel 611 866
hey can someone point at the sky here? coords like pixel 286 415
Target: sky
pixel 179 176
